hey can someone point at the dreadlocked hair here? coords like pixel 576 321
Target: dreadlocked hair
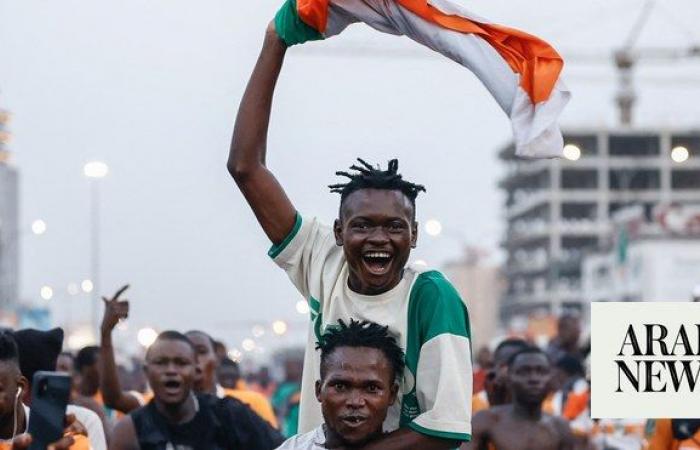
pixel 362 334
pixel 365 176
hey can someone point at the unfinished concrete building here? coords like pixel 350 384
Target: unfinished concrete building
pixel 9 234
pixel 556 210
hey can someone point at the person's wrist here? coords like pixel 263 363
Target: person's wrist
pixel 106 333
pixel 272 37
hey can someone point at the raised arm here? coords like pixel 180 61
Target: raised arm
pixel 112 393
pixel 246 162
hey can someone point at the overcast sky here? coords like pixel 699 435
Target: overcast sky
pixel 152 88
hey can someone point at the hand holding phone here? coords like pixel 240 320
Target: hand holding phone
pixel 50 393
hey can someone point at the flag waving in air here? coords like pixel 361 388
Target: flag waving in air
pixel 521 71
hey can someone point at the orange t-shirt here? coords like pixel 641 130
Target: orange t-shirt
pixel 257 402
pixel 480 402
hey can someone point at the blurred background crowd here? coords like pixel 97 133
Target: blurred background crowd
pixel 106 175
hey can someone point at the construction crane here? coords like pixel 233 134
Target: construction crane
pixel 627 57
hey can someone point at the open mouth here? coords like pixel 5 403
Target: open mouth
pixel 377 263
pixel 172 386
pixel 354 421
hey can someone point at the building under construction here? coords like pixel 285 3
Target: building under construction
pixel 9 233
pixel 558 210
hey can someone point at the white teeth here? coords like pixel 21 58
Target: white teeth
pixel 377 255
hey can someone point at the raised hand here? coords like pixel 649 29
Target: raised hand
pixel 115 310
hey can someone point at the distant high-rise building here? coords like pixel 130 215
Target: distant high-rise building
pixel 9 232
pixel 557 210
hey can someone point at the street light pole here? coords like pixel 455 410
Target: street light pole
pixel 94 250
pixel 94 171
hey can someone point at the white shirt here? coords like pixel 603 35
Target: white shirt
pixel 423 312
pixel 313 440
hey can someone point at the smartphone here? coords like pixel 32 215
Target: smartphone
pixel 50 394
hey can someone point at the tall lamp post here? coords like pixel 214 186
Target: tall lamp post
pixel 95 171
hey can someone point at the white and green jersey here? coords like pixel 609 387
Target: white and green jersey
pixel 424 313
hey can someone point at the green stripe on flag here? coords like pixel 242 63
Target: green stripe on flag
pixel 291 29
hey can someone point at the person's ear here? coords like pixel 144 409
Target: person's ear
pixel 23 389
pixel 338 232
pixel 318 390
pixel 393 393
pixel 414 234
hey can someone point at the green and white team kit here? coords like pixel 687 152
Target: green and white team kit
pixel 423 312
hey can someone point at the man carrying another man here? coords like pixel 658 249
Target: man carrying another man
pixel 361 365
pixel 358 269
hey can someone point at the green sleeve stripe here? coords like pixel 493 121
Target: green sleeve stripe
pixel 275 250
pixel 314 305
pixel 438 308
pixel 290 28
pixel 463 437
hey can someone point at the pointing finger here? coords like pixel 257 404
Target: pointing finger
pixel 121 291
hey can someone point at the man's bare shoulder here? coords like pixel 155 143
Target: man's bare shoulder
pixel 491 416
pixel 124 435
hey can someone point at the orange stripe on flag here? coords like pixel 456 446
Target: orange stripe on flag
pixel 314 13
pixel 538 64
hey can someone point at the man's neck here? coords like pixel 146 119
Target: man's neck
pixel 357 285
pixel 181 413
pixel 527 412
pixel 499 397
pixel 334 440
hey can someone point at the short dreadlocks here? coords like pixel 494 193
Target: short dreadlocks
pixel 362 334
pixel 366 176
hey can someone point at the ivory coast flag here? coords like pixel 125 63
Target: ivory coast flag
pixel 521 71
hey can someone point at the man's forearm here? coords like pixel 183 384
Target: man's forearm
pixel 407 439
pixel 249 142
pixel 109 378
pixel 246 162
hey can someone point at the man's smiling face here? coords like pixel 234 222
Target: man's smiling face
pixel 377 230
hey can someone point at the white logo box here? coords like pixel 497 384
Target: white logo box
pixel 610 322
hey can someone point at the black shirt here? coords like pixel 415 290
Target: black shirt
pixel 220 424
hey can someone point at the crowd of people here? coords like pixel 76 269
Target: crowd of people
pixel 524 396
pixel 388 363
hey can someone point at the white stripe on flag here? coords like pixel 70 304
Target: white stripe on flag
pixel 535 127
